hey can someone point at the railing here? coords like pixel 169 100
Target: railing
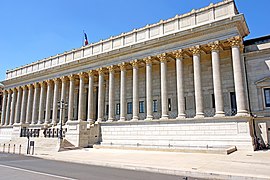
pixel 29 132
pixel 54 132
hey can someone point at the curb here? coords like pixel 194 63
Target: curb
pixel 177 172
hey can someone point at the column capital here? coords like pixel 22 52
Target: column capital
pixel 36 85
pixel 72 77
pixel 111 68
pixel 148 60
pixel 91 73
pixel 30 86
pixel 82 74
pixel 214 46
pixel 24 87
pixel 56 80
pixel 178 53
pixel 122 66
pixel 9 91
pixel 18 88
pixel 49 81
pixel 162 57
pixel 64 78
pixel 42 83
pixel 101 71
pixel 195 50
pixel 135 63
pixel 235 41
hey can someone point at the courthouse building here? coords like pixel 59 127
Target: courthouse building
pixel 185 82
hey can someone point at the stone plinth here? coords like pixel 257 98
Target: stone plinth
pixel 77 133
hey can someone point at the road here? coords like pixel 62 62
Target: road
pixel 19 167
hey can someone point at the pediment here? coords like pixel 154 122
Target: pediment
pixel 263 82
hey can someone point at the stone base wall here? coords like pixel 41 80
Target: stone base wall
pixel 188 133
pixel 5 133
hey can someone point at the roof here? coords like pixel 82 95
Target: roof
pixel 258 40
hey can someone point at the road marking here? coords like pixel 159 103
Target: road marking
pixel 36 172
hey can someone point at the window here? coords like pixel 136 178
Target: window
pixel 169 104
pixel 117 108
pixel 213 101
pixel 129 107
pixel 141 107
pixel 107 109
pixel 233 103
pixel 155 106
pixel 267 97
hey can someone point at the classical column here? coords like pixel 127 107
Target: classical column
pixel 63 97
pixel 197 81
pixel 13 106
pixel 55 100
pixel 135 104
pixel 149 98
pixel 18 106
pixel 29 103
pixel 178 54
pixel 81 113
pixel 35 103
pixel 24 105
pixel 123 104
pixel 8 107
pixel 111 94
pixel 71 97
pixel 100 95
pixel 90 115
pixel 163 84
pixel 41 102
pixel 48 101
pixel 217 79
pixel 4 106
pixel 238 74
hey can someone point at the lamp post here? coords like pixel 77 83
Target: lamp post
pixel 62 105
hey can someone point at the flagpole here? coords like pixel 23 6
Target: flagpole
pixel 83 39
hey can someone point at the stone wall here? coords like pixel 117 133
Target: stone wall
pixel 189 133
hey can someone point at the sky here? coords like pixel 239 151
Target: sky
pixel 31 30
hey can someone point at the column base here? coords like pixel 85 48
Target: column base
pixel 135 118
pixel 242 113
pixel 181 116
pixel 149 118
pixel 91 121
pixel 199 115
pixel 164 117
pixel 122 119
pixel 219 114
pixel 110 120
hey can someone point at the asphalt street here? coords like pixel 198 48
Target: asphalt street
pixel 19 167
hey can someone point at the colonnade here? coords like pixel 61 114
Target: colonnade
pixel 27 104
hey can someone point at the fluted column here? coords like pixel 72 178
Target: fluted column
pixel 4 107
pixel 149 98
pixel 81 112
pixel 24 105
pixel 48 101
pixel 197 81
pixel 63 98
pixel 178 54
pixel 238 74
pixel 35 103
pixel 111 114
pixel 135 105
pixel 123 104
pixel 13 106
pixel 7 119
pixel 18 106
pixel 42 102
pixel 29 104
pixel 100 95
pixel 163 84
pixel 55 100
pixel 217 79
pixel 71 97
pixel 90 116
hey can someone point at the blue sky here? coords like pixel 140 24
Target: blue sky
pixel 31 30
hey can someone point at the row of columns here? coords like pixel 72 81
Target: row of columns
pixel 28 101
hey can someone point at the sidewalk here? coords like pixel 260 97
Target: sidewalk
pixel 238 165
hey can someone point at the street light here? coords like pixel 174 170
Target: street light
pixel 62 105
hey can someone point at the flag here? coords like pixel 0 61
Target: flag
pixel 85 39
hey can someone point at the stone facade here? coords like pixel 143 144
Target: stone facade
pixel 177 83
